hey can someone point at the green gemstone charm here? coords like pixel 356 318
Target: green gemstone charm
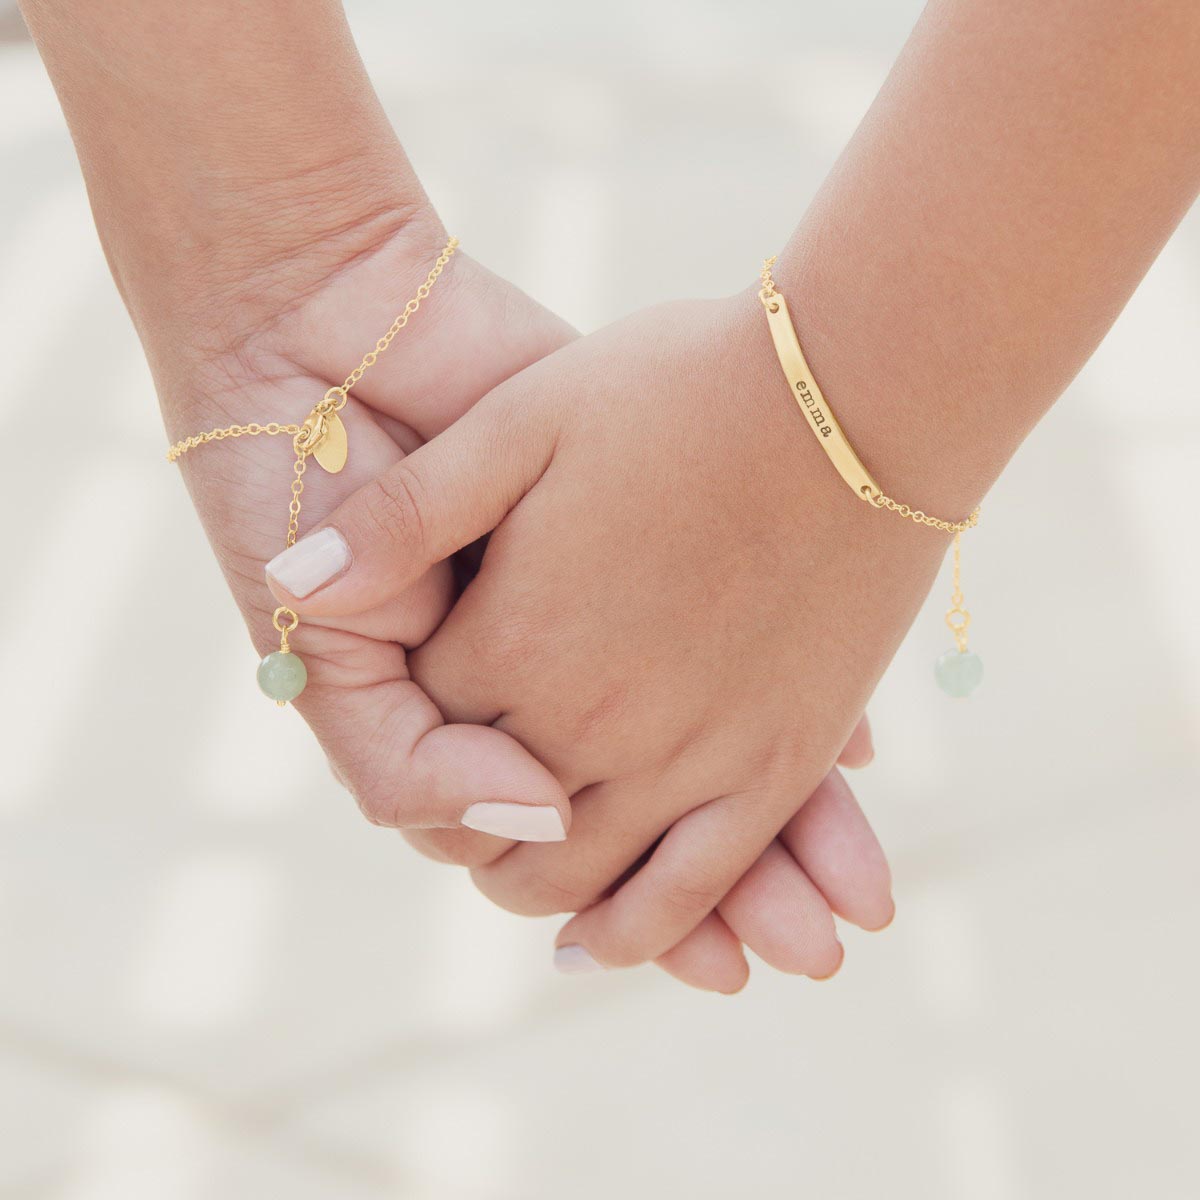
pixel 958 673
pixel 282 676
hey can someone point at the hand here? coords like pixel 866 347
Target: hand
pixel 682 610
pixel 473 331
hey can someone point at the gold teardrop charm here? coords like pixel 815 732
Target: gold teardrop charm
pixel 332 449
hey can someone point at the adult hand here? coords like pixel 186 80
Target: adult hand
pixel 681 611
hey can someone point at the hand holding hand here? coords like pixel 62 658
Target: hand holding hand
pixel 681 611
pixel 385 740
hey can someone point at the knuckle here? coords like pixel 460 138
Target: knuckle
pixel 510 641
pixel 378 779
pixel 678 906
pixel 688 896
pixel 624 949
pixel 600 713
pixel 378 804
pixel 396 511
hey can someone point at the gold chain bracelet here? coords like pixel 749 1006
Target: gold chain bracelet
pixel 958 671
pixel 282 674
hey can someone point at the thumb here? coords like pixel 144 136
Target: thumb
pixel 406 769
pixel 439 499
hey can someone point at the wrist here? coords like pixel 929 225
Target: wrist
pixel 895 548
pixel 220 140
pixel 910 422
pixel 255 317
pixel 253 255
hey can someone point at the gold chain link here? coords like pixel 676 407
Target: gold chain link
pixel 398 324
pixel 768 284
pixel 915 514
pixel 958 618
pixel 307 437
pixel 178 450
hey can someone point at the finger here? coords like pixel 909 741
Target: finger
pixel 710 958
pixel 779 913
pixel 859 750
pixel 833 842
pixel 387 742
pixel 459 847
pixel 697 862
pixel 613 827
pixel 439 499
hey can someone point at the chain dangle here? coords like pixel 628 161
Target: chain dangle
pixel 282 675
pixel 958 619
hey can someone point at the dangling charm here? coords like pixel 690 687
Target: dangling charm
pixel 282 674
pixel 325 436
pixel 958 672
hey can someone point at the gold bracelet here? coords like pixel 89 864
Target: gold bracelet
pixel 282 674
pixel 958 671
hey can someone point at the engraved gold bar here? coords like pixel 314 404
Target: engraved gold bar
pixel 818 416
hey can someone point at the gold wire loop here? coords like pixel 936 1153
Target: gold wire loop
pixel 768 300
pixel 284 611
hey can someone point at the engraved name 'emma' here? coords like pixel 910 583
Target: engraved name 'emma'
pixel 810 406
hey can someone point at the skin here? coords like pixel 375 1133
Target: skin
pixel 256 232
pixel 1021 168
pixel 719 604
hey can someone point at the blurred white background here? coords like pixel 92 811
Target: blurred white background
pixel 218 981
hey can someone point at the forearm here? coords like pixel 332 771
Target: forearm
pixel 218 139
pixel 1017 175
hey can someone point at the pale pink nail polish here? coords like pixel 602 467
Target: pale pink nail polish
pixel 575 960
pixel 521 822
pixel 311 563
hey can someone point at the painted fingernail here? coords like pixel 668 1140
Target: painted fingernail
pixel 521 822
pixel 311 563
pixel 575 960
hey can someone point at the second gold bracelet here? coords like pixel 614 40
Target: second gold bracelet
pixel 282 674
pixel 959 671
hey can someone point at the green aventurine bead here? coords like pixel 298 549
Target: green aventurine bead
pixel 958 673
pixel 282 676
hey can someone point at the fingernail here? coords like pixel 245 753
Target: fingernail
pixel 521 822
pixel 575 960
pixel 311 563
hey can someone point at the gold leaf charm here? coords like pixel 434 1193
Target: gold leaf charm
pixel 331 451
